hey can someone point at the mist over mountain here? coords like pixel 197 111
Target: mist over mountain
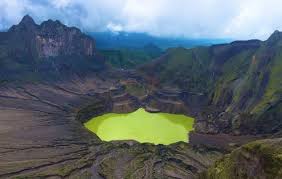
pixel 114 40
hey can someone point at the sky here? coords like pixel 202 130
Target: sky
pixel 233 19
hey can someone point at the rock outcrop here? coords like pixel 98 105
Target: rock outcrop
pixel 167 100
pixel 51 39
pixel 49 51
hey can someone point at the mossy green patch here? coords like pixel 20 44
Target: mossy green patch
pixel 233 70
pixel 259 159
pixel 186 68
pixel 142 126
pixel 273 90
pixel 130 58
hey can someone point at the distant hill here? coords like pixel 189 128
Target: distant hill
pixel 110 40
pixel 128 50
pixel 128 58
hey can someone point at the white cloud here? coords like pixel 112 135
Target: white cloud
pixel 11 11
pixel 256 19
pixel 60 3
pixel 240 19
pixel 114 27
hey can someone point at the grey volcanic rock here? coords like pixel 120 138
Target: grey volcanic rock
pixel 50 51
pixel 55 39
pixel 167 100
pixel 152 110
pixel 52 38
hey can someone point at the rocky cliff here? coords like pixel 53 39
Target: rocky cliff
pixel 50 39
pixel 29 50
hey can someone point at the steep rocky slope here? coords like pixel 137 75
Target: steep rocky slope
pixel 240 79
pixel 50 50
pixel 50 39
pixel 260 159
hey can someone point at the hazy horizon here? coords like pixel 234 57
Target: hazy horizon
pixel 209 19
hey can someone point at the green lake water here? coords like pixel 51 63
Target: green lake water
pixel 142 126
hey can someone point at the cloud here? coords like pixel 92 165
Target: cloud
pixel 238 19
pixel 114 27
pixel 60 3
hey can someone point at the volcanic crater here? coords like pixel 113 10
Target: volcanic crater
pixel 54 80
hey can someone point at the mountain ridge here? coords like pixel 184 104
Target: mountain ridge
pixel 51 48
pixel 241 80
pixel 48 38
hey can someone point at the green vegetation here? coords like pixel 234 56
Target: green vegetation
pixel 259 159
pixel 273 90
pixel 232 70
pixel 186 68
pixel 142 126
pixel 128 58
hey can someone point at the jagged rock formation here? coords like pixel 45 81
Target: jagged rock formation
pixel 50 39
pixel 47 51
